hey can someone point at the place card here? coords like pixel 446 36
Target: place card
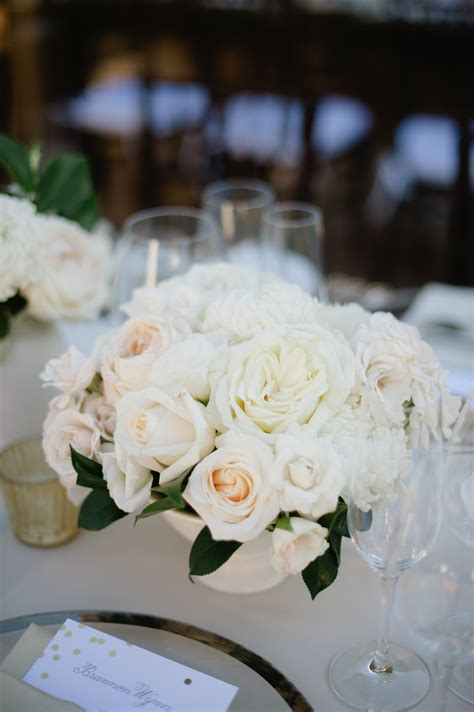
pixel 102 673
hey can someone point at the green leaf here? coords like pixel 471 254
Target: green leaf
pixel 89 473
pixel 89 213
pixel 335 544
pixel 321 572
pixel 16 161
pixel 336 521
pixel 284 523
pixel 4 321
pixel 207 554
pixel 65 187
pixel 15 304
pixel 174 489
pixel 98 511
pixel 160 505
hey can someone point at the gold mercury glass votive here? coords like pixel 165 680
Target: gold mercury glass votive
pixel 40 512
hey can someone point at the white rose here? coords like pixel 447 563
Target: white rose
pixel 307 474
pixel 75 272
pixel 129 352
pixel 398 376
pixel 281 377
pixel 19 245
pixel 71 373
pixel 292 551
pixel 186 363
pixel 62 429
pixel 229 489
pixel 166 432
pixel 102 413
pixel 131 489
pixel 242 313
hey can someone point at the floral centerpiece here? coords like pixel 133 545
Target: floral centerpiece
pixel 241 398
pixel 51 264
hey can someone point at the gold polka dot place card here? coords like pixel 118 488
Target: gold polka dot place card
pixel 101 673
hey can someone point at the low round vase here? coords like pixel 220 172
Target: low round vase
pixel 247 571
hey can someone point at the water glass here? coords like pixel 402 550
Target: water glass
pixel 161 243
pixel 292 245
pixel 392 537
pixel 238 206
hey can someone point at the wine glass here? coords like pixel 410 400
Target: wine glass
pixel 238 206
pixel 292 245
pixel 392 537
pixel 456 653
pixel 160 243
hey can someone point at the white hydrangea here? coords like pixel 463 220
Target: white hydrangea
pixel 19 245
pixel 188 296
pixel 242 314
pixel 75 269
pixel 372 456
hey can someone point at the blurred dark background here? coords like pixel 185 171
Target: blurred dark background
pixel 364 107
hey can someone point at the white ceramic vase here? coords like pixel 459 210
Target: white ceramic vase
pixel 247 571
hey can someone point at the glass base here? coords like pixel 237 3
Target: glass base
pixel 462 680
pixel 354 682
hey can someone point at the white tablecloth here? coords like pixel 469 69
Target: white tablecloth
pixel 144 569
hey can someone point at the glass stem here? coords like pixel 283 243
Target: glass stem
pixel 381 661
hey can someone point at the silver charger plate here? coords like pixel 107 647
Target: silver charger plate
pixel 262 688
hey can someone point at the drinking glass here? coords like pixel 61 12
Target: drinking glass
pixel 292 245
pixel 238 206
pixel 395 535
pixel 39 510
pixel 160 243
pixel 456 653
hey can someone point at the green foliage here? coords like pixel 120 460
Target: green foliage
pixel 207 554
pixel 321 572
pixel 98 511
pixel 163 504
pixel 4 322
pixel 174 489
pixel 284 523
pixel 89 472
pixel 15 158
pixel 9 308
pixel 63 186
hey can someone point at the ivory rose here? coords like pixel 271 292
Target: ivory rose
pixel 71 373
pixel 229 488
pixel 280 378
pixel 398 377
pixel 63 429
pixel 131 489
pixel 187 363
pixel 292 551
pixel 102 413
pixel 75 268
pixel 165 431
pixel 307 474
pixel 129 353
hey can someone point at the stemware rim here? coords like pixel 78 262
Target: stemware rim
pixel 311 214
pixel 264 192
pixel 199 214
